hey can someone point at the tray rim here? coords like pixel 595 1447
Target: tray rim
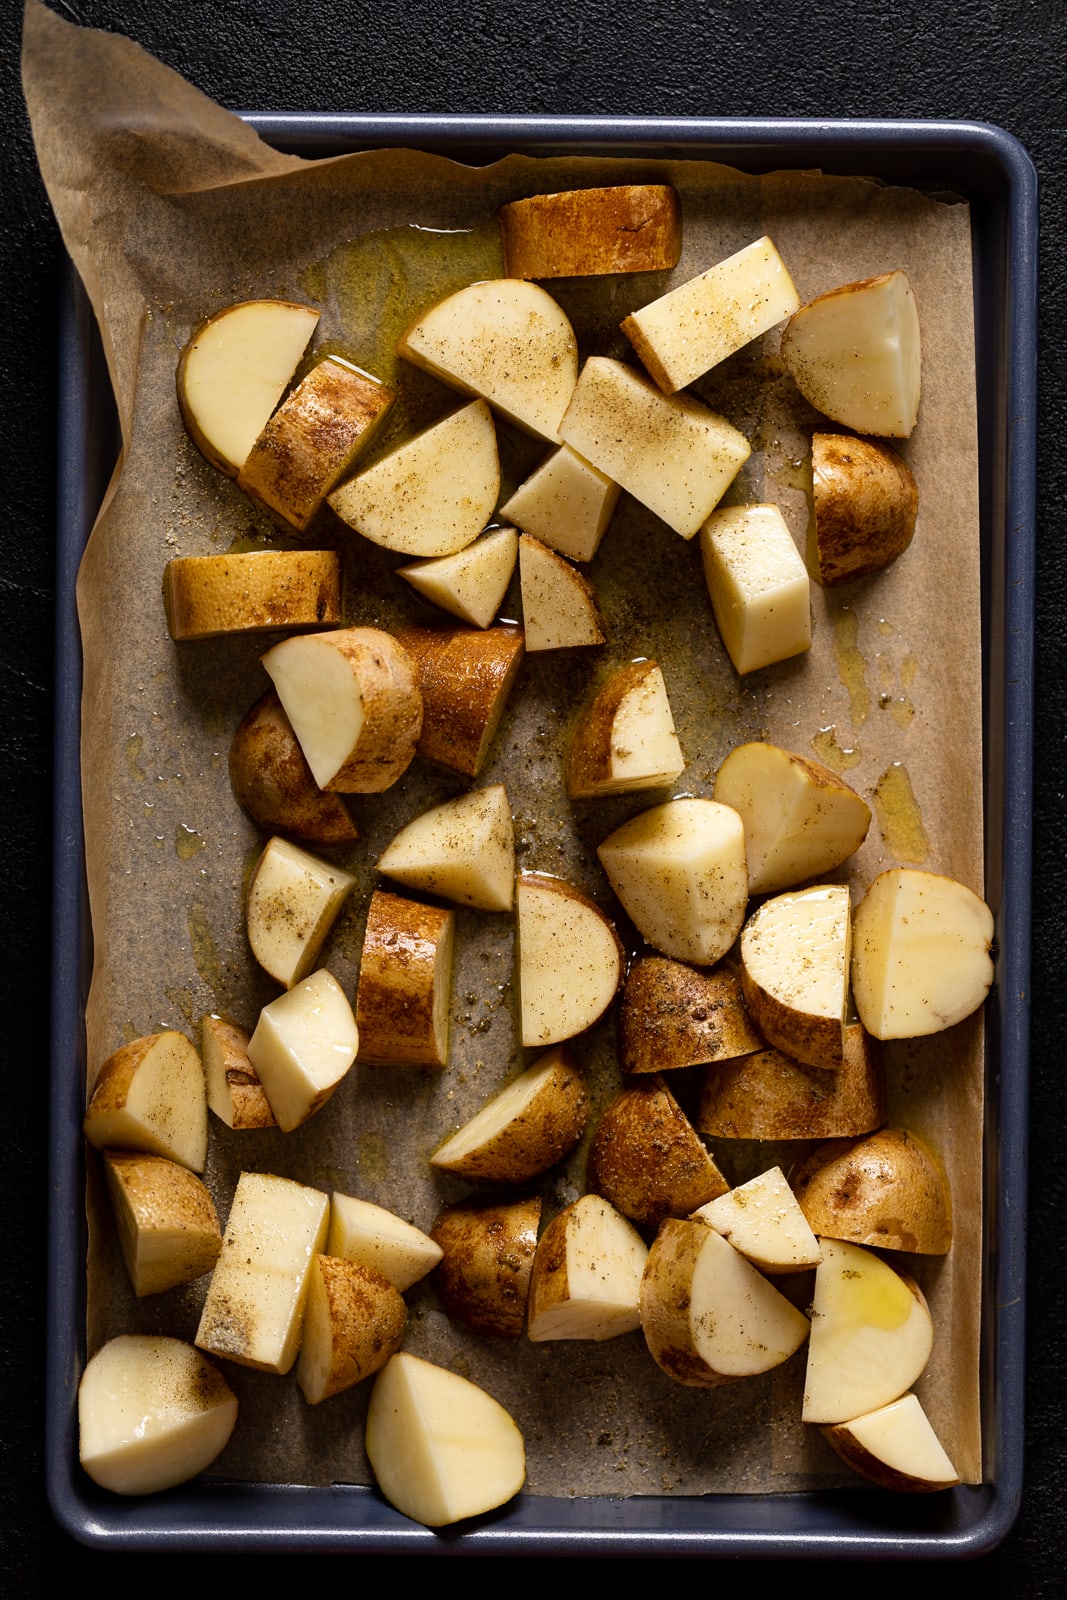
pixel 999 180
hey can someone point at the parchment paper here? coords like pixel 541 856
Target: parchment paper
pixel 171 209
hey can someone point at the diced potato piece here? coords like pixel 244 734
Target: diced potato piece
pixel 354 1321
pixel 559 605
pixel 768 1095
pixel 569 957
pixel 304 1044
pixel 921 954
pixel 794 972
pixel 167 1224
pixel 505 340
pixel 675 1016
pixel 363 1232
pixel 255 1303
pixel 866 502
pixel 694 327
pixel 465 678
pixel 895 1447
pixel 251 592
pixel 472 583
pixel 440 1447
pixel 586 1278
pixel 759 587
pixel 625 739
pixel 152 1413
pixel 293 901
pixel 313 439
pixel 566 504
pixel 855 354
pixel 234 1091
pixel 530 1125
pixel 886 1189
pixel 405 975
pixel 463 850
pixel 763 1221
pixel 483 1277
pixel 272 780
pixel 647 1158
pixel 679 870
pixel 670 452
pixel 431 496
pixel 233 372
pixel 150 1095
pixel 634 227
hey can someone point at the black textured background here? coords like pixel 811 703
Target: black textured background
pixel 1001 61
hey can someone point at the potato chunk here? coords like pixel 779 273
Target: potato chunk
pixel 758 584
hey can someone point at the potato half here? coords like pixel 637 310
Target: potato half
pixel 866 502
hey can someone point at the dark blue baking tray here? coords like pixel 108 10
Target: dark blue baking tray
pixel 992 171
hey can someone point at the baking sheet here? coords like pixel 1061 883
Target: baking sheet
pixel 842 659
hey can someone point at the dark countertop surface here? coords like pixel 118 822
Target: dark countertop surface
pixel 1000 61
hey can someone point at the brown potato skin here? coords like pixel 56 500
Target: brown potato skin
pixel 886 1189
pixel 589 750
pixel 583 232
pixel 252 591
pixel 665 1304
pixel 248 1106
pixel 465 676
pixel 549 1130
pixel 647 1159
pixel 674 1015
pixel 866 502
pixel 368 1318
pixel 272 782
pixel 395 997
pixel 483 1278
pixel 854 1455
pixel 769 1095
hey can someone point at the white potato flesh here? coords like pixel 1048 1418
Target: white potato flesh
pixel 871 1335
pixel 586 1279
pixel 668 451
pixel 463 850
pixel 679 870
pixel 433 495
pixel 794 971
pixel 321 696
pixel 801 820
pixel 625 740
pixel 530 1125
pixel 293 901
pixel 559 605
pixel 374 1237
pixel 505 340
pixel 151 1095
pixel 763 1221
pixel 303 1045
pixel 759 586
pixel 692 328
pixel 472 583
pixel 855 354
pixel 441 1448
pixel 566 503
pixel 255 1301
pixel 920 954
pixel 895 1447
pixel 152 1413
pixel 570 960
pixel 234 371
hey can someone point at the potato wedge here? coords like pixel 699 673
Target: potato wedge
pixel 866 502
pixel 471 583
pixel 251 592
pixel 761 1219
pixel 886 1189
pixel 648 1160
pixel 566 504
pixel 431 496
pixel 354 1320
pixel 794 972
pixel 292 902
pixel 559 604
pixel 505 340
pixel 354 704
pixel 855 355
pixel 152 1413
pixel 632 227
pixel 693 327
pixel 369 1234
pixel 234 1092
pixel 679 870
pixel 167 1224
pixel 758 585
pixel 273 782
pixel 801 820
pixel 233 372
pixel 150 1096
pixel 624 741
pixel 463 850
pixel 405 976
pixel 569 959
pixel 707 1315
pixel 674 1016
pixel 483 1277
pixel 303 1046
pixel 440 1447
pixel 586 1277
pixel 531 1124
pixel 894 1447
pixel 465 678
